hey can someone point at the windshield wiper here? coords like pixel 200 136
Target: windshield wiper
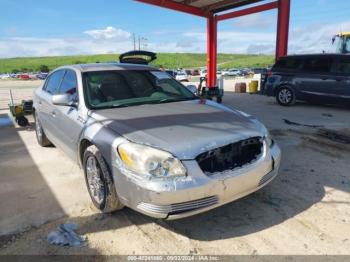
pixel 169 100
pixel 119 105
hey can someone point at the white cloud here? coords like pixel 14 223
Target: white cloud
pixel 254 20
pixel 314 38
pixel 109 33
pixel 108 40
pixel 229 41
pixel 307 39
pixel 25 46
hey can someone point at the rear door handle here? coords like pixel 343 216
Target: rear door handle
pixel 53 113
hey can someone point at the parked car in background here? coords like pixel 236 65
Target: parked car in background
pixel 188 72
pixel 172 73
pixel 195 72
pixel 24 77
pixel 5 76
pixel 203 72
pixel 182 76
pixel 232 72
pixel 42 76
pixel 33 76
pixel 145 141
pixel 323 78
pixel 259 70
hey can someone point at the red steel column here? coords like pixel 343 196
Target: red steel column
pixel 282 28
pixel 211 50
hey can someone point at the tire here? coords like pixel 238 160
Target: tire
pixel 22 121
pixel 99 181
pixel 40 134
pixel 285 96
pixel 219 99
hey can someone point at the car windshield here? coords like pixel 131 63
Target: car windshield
pixel 121 88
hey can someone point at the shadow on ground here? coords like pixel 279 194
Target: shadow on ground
pixel 26 199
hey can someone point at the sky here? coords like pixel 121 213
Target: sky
pixel 75 27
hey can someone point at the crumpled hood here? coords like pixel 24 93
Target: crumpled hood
pixel 184 129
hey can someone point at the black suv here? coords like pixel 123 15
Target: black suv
pixel 321 79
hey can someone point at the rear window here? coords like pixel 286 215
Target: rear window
pixel 288 63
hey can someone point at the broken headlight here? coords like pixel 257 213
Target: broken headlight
pixel 147 161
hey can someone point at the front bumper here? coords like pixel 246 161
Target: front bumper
pixel 174 198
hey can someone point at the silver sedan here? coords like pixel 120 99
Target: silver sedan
pixel 146 142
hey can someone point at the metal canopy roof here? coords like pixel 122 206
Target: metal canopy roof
pixel 203 8
pixel 215 6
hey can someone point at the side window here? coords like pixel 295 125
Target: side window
pixel 318 65
pixel 69 85
pixel 288 63
pixel 341 66
pixel 54 82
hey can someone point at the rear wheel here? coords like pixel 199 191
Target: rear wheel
pixel 40 134
pixel 285 96
pixel 99 181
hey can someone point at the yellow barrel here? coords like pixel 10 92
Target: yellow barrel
pixel 253 86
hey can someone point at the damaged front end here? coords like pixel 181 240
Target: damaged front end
pixel 231 156
pixel 215 177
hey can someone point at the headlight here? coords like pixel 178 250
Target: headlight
pixel 147 161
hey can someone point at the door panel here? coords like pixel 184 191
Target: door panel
pixel 341 71
pixel 47 116
pixel 316 80
pixel 69 127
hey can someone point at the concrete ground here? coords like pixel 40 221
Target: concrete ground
pixel 305 210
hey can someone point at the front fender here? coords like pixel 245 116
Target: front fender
pixel 99 135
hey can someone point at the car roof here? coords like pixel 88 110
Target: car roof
pixel 106 67
pixel 316 55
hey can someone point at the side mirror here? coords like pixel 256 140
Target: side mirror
pixel 192 88
pixel 62 100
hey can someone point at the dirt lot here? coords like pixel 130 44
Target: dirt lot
pixel 305 210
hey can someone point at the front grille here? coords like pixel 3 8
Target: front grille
pixel 179 207
pixel 231 156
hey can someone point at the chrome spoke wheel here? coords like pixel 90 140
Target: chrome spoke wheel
pixel 95 183
pixel 285 96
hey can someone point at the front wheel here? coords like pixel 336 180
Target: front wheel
pixel 40 134
pixel 285 96
pixel 99 181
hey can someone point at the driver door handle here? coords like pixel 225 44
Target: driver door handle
pixel 53 113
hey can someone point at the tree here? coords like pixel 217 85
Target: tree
pixel 44 68
pixel 15 71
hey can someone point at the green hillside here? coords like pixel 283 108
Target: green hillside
pixel 167 60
